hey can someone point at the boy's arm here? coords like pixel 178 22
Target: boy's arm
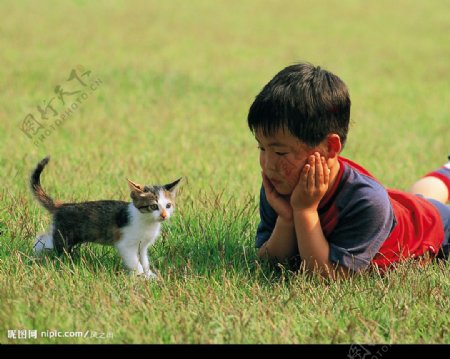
pixel 312 244
pixel 282 244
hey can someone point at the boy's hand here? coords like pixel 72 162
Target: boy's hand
pixel 279 204
pixel 312 184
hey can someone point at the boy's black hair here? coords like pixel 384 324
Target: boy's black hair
pixel 308 101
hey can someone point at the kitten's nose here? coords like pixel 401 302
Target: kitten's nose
pixel 163 214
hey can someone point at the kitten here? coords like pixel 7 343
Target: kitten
pixel 130 227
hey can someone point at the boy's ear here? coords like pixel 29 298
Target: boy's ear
pixel 334 145
pixel 173 187
pixel 135 187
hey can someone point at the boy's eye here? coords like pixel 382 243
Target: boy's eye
pixel 168 205
pixel 154 207
pixel 281 153
pixel 261 148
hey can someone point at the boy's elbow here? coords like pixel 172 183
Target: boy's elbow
pixel 334 272
pixel 263 253
pixel 268 254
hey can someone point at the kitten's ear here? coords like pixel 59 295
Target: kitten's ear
pixel 135 187
pixel 172 187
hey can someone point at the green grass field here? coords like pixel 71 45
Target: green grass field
pixel 175 80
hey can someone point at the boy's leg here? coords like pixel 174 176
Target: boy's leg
pixel 444 212
pixel 435 185
pixel 431 187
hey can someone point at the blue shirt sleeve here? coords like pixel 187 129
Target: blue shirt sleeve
pixel 366 219
pixel 268 218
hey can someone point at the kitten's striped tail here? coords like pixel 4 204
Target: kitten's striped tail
pixel 44 199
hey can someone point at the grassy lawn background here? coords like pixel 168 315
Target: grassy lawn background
pixel 176 81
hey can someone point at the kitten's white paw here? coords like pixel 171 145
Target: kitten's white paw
pixel 43 244
pixel 150 275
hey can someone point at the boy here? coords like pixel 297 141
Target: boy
pixel 323 207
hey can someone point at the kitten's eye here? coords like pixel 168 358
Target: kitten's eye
pixel 154 207
pixel 168 205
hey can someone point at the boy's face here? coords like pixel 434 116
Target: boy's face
pixel 282 157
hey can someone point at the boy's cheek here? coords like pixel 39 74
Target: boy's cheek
pixel 262 161
pixel 286 168
pixel 290 171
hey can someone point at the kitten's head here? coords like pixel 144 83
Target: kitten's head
pixel 156 201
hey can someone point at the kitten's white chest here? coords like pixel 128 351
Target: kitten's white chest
pixel 143 233
pixel 141 230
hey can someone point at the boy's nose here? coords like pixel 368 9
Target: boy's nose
pixel 268 162
pixel 270 165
